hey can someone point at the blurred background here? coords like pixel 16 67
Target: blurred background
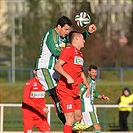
pixel 23 23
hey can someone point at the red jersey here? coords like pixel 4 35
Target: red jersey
pixel 34 94
pixel 73 63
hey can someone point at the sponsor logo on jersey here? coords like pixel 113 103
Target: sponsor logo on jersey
pixel 60 46
pixel 75 51
pixel 69 106
pixel 78 60
pixel 34 83
pixel 40 94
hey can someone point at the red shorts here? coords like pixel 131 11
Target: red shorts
pixel 31 119
pixel 69 100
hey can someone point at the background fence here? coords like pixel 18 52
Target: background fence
pixel 11 118
pixel 104 74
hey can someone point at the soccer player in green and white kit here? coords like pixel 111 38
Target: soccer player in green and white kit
pixel 89 114
pixel 53 41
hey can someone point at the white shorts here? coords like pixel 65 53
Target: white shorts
pixel 89 118
pixel 48 78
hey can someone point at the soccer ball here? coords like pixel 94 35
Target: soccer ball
pixel 82 19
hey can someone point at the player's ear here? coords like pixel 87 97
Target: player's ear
pixel 34 71
pixel 89 72
pixel 59 27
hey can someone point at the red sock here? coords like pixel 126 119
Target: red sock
pixel 67 129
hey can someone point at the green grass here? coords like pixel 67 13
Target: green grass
pixel 14 94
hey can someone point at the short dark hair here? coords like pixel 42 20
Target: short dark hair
pixel 92 67
pixel 64 20
pixel 35 66
pixel 72 34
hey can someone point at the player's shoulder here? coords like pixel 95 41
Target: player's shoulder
pixel 49 31
pixel 69 47
pixel 67 50
pixel 30 81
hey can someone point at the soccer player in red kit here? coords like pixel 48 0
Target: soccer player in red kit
pixel 33 107
pixel 70 66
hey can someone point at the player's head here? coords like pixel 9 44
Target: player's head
pixel 76 39
pixel 35 71
pixel 64 20
pixel 63 26
pixel 92 72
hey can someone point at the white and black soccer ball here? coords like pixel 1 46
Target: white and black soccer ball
pixel 82 19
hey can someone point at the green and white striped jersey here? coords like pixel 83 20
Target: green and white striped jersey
pixel 87 103
pixel 50 49
pixel 51 46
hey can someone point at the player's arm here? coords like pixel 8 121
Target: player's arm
pixel 52 44
pixel 97 95
pixel 91 29
pixel 85 82
pixel 58 67
pixel 104 97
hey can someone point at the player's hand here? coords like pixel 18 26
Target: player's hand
pixel 92 28
pixel 70 80
pixel 45 110
pixel 106 98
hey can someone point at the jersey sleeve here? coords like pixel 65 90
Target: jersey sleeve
pixel 95 94
pixel 51 43
pixel 86 34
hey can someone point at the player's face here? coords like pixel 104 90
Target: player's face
pixel 80 41
pixel 35 73
pixel 63 31
pixel 93 74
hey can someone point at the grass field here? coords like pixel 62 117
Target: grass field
pixel 14 93
pixel 109 85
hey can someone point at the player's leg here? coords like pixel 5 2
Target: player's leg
pixel 95 122
pixel 48 78
pixel 27 121
pixel 67 105
pixel 78 117
pixel 55 100
pixel 27 126
pixel 69 122
pixel 42 125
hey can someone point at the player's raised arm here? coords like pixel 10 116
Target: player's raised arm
pixel 92 28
